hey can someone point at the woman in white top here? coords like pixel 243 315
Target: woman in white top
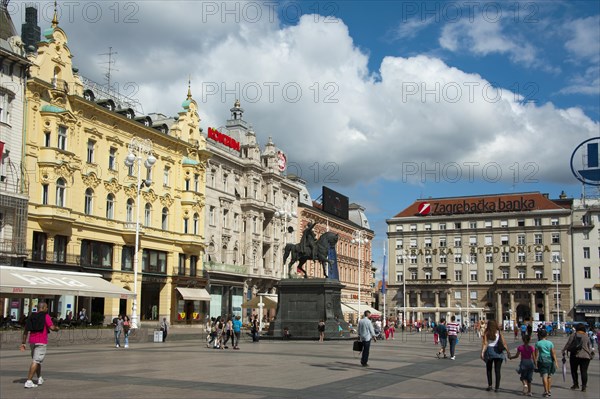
pixel 493 346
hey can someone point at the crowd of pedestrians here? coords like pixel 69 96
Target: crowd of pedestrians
pixel 220 331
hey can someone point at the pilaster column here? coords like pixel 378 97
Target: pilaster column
pixel 499 307
pixel 532 303
pixel 547 315
pixel 419 313
pixel 437 306
pixel 512 312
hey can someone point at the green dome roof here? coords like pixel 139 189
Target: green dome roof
pixel 52 108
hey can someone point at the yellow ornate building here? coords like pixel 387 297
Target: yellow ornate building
pixel 83 210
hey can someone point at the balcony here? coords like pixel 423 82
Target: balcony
pixel 53 218
pixel 225 268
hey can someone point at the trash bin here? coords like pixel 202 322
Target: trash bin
pixel 158 336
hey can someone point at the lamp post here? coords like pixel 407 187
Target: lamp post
pixel 557 261
pixel 404 259
pixel 468 265
pixel 285 216
pixel 139 150
pixel 358 236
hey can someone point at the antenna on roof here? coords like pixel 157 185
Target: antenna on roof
pixel 109 67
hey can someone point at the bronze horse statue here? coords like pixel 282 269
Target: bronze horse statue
pixel 324 242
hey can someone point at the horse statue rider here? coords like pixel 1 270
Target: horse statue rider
pixel 311 248
pixel 308 242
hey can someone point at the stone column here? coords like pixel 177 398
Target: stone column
pixel 532 303
pixel 448 299
pixel 437 306
pixel 419 313
pixel 547 314
pixel 512 312
pixel 499 307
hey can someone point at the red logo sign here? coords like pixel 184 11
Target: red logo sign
pixel 424 209
pixel 224 139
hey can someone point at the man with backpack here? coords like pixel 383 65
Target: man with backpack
pixel 442 332
pixel 37 326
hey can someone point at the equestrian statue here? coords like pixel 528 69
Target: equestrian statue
pixel 310 248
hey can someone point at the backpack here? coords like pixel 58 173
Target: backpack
pixel 576 345
pixel 36 322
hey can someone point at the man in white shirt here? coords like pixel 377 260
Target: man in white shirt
pixel 365 334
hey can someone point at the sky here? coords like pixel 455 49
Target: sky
pixel 383 101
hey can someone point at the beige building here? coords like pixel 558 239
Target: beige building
pixel 502 257
pixel 83 199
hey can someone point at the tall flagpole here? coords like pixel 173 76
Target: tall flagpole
pixel 383 288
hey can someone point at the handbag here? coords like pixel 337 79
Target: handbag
pixel 357 346
pixel 499 347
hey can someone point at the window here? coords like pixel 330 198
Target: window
pixel 539 256
pixel 537 221
pixel 399 277
pixel 90 151
pixel 211 215
pixel 428 242
pixel 521 257
pixel 587 272
pixel 489 275
pixel 458 258
pixel 537 239
pixel 96 254
pixel 61 186
pixel 60 248
pixel 555 238
pixel 225 187
pixel 166 175
pixel 473 241
pixel 413 259
pixel 39 246
pixel 587 294
pixel 112 158
pixel 443 242
pixel 399 228
pixel 154 261
pixel 488 240
pixel 473 275
pixel 413 275
pixel 458 275
pixel 488 224
pixel 586 252
pixel 196 182
pixel 427 226
pixel 472 225
pixel 196 225
pixel 473 258
pixel 457 225
pixel 62 138
pixel 442 226
pixel 554 221
pixel 225 218
pixel 399 260
pixel 129 211
pixel 521 273
pixel 5 105
pixel 504 223
pixel 473 294
pixel 399 243
pixel 457 242
pixel 521 239
pixel 413 227
pixel 443 276
pixel 236 222
pixel 413 242
pixel 443 259
pixel 489 258
pixel 521 222
pixel 504 240
pixel 539 274
pixel 127 258
pixel 457 295
pixel 505 274
pixel 586 235
pixel 504 257
pixel 87 206
pixel 164 221
pixel 193 265
pixel 555 275
pixel 130 170
pixel 147 215
pixel 47 139
pixel 428 259
pixel 428 276
pixel 186 225
pixel 181 265
pixel 44 194
pixel 110 206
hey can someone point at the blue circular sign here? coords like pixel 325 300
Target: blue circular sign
pixel 585 162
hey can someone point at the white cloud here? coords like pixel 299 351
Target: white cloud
pixel 408 29
pixel 584 42
pixel 421 111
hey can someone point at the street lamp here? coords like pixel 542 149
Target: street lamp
pixel 358 236
pixel 468 265
pixel 557 261
pixel 139 150
pixel 404 259
pixel 285 216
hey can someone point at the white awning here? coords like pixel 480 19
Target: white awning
pixel 19 281
pixel 194 294
pixel 353 306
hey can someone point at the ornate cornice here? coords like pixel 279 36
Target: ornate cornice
pixel 90 180
pixel 112 186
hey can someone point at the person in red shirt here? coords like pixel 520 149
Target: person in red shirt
pixel 38 341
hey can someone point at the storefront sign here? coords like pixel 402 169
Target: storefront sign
pixel 480 206
pixel 224 139
pixel 477 250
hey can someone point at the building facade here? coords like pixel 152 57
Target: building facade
pixel 83 207
pixel 251 208
pixel 502 257
pixel 586 260
pixel 13 182
pixel 352 257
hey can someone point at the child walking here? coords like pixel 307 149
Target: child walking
pixel 526 366
pixel 545 358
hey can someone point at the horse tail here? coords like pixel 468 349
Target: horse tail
pixel 286 252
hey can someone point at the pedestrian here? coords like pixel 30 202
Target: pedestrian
pixel 164 327
pixel 493 346
pixel 526 366
pixel 436 335
pixel 516 330
pixel 453 327
pixel 212 336
pixel 254 329
pixel 545 359
pixel 126 329
pixel 366 333
pixel 581 352
pixel 37 329
pixel 228 332
pixel 237 330
pixel 118 328
pixel 392 329
pixel 443 337
pixel 321 330
pixel 523 329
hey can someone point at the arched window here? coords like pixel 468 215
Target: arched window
pixel 224 254
pixel 147 214
pixel 61 187
pixel 89 197
pixel 129 210
pixel 165 219
pixel 196 223
pixel 110 206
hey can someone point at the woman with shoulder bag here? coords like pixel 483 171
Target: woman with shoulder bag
pixel 581 352
pixel 493 346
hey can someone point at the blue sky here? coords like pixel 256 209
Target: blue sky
pixel 389 101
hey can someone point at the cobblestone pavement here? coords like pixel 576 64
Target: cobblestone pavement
pixel 184 368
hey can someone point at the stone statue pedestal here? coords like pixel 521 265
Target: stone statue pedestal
pixel 302 303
